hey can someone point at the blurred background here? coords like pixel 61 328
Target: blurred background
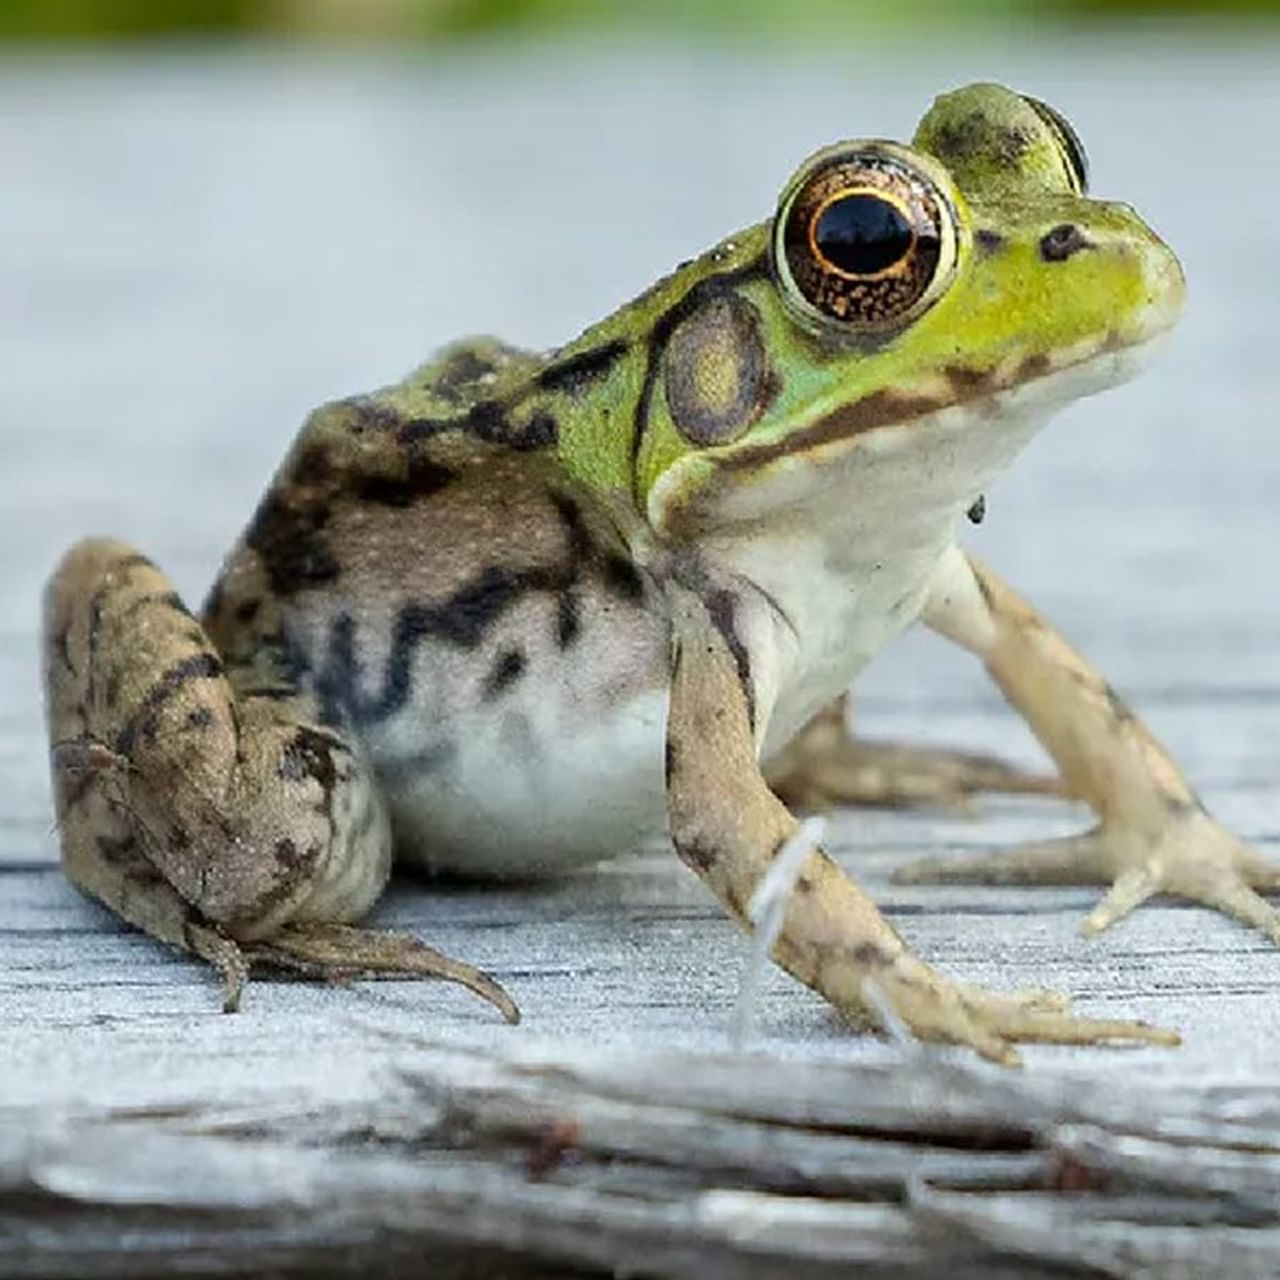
pixel 216 214
pixel 428 19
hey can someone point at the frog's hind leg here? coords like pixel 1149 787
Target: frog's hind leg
pixel 826 765
pixel 231 825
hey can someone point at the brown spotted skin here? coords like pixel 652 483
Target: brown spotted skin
pixel 225 783
pixel 434 594
pixel 230 824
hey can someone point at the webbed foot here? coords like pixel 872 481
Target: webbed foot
pixel 935 1007
pixel 339 952
pixel 1190 857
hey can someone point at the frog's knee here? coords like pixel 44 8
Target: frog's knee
pixel 305 835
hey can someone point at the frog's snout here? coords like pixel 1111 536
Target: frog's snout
pixel 1161 285
pixel 1166 281
pixel 1164 287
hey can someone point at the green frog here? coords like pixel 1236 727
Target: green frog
pixel 518 612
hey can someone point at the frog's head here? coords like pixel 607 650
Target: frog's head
pixel 928 304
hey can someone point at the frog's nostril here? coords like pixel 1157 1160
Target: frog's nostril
pixel 1063 241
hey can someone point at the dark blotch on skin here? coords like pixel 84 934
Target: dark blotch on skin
pixel 291 859
pixel 463 371
pixel 199 666
pixel 422 479
pixel 541 432
pixel 463 620
pixel 622 578
pixel 577 373
pixel 487 420
pixel 976 136
pixel 118 851
pixel 969 383
pixel 287 530
pixel 984 590
pixel 1063 242
pixel 1034 366
pixel 670 761
pixel 199 718
pixel 361 414
pixel 988 241
pixel 465 616
pixel 869 956
pixel 508 668
pixel 721 608
pixel 1119 707
pixel 247 610
pixel 310 755
pixel 574 526
pixel 111 690
pixel 568 619
pixel 978 512
pixel 701 857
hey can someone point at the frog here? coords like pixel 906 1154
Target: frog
pixel 519 612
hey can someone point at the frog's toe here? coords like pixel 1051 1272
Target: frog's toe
pixel 992 1023
pixel 1192 858
pixel 1070 860
pixel 1015 1018
pixel 883 774
pixel 1197 861
pixel 339 952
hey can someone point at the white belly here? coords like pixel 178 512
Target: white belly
pixel 563 767
pixel 536 790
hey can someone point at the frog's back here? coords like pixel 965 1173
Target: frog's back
pixel 423 571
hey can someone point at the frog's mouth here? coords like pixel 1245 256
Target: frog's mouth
pixel 962 395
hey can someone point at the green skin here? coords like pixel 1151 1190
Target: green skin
pixel 517 612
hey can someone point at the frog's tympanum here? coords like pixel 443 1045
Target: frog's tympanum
pixel 518 612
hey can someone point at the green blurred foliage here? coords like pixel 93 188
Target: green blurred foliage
pixel 454 18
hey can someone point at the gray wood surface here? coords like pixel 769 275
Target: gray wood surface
pixel 193 250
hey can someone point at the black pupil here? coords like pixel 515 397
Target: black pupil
pixel 862 234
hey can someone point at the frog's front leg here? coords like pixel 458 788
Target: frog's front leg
pixel 727 825
pixel 1153 834
pixel 826 765
pixel 231 825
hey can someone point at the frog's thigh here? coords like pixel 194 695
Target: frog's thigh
pixel 826 765
pixel 232 826
pixel 728 826
pixel 1154 835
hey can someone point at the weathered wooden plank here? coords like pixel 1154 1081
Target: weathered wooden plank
pixel 594 1160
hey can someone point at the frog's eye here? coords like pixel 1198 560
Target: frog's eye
pixel 1068 140
pixel 861 241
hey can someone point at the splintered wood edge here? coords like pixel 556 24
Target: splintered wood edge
pixel 672 1164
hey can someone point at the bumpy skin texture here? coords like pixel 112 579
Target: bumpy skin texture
pixel 518 612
